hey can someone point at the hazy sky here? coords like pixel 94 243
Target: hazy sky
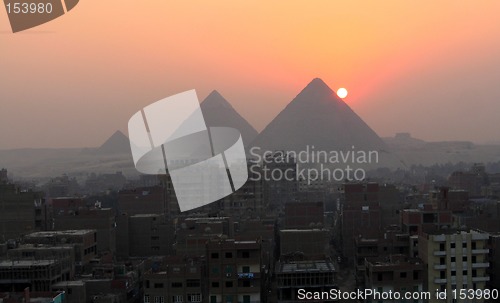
pixel 431 68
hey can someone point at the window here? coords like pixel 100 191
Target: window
pixel 473 244
pixel 453 273
pixel 453 259
pixel 146 298
pixel 215 284
pixel 245 255
pixel 402 274
pixel 193 283
pixel 176 284
pixel 162 299
pixel 156 299
pixel 229 299
pixel 147 283
pixel 229 284
pixel 158 285
pixel 441 247
pixel 464 245
pixel 215 270
pixel 415 275
pixel 229 255
pixel 246 269
pixel 194 297
pixel 246 283
pixel 229 269
pixel 452 245
pixel 177 298
pixel 464 258
pixel 214 256
pixel 246 299
pixel 464 273
pixel 213 299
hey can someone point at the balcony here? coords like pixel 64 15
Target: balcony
pixel 440 281
pixel 440 238
pixel 480 251
pixel 248 275
pixel 439 253
pixel 481 265
pixel 438 266
pixel 480 279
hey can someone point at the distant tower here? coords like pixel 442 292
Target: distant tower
pixel 3 176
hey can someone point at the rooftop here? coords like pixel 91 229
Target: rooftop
pixel 76 232
pixel 305 266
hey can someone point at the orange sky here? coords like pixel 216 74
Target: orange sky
pixel 407 64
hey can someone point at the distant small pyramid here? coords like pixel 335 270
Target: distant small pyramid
pixel 318 117
pixel 117 143
pixel 217 111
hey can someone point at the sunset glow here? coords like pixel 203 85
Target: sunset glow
pixel 258 54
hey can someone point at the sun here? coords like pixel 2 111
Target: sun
pixel 342 93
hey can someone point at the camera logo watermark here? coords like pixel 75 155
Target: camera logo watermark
pixel 204 164
pixel 26 14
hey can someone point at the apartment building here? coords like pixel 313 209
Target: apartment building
pixel 454 260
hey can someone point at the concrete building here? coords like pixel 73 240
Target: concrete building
pixel 143 200
pixel 454 260
pixel 65 254
pixel 277 168
pixel 304 215
pixel 312 276
pixel 100 219
pixel 192 234
pixel 28 296
pixel 306 244
pixel 38 275
pixel 415 221
pixel 471 181
pixel 234 271
pixel 144 235
pixel 360 215
pixel 494 259
pixel 174 280
pixel 83 241
pixel 17 211
pixel 395 273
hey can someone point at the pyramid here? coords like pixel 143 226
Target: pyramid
pixel 318 117
pixel 219 112
pixel 116 144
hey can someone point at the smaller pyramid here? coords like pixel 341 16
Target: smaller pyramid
pixel 217 111
pixel 116 144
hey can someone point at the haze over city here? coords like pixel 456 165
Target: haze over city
pixel 408 66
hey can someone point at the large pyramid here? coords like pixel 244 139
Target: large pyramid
pixel 218 112
pixel 317 117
